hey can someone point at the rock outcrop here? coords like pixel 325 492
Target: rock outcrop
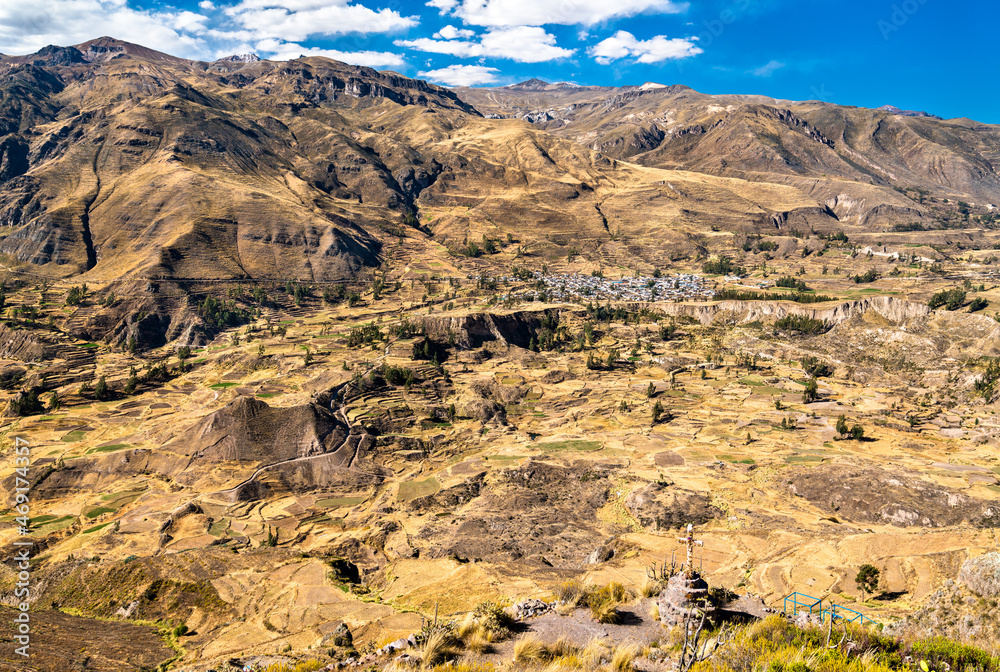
pixel 982 574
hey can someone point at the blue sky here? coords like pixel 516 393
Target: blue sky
pixel 916 54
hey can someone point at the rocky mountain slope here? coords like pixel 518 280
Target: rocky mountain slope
pixel 117 161
pixel 824 149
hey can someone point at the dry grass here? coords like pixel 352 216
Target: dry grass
pixel 465 666
pixel 651 588
pixel 603 602
pixel 439 647
pixel 529 650
pixel 621 660
pixel 596 653
pixel 605 612
pixel 479 640
pixel 654 611
pixel 571 593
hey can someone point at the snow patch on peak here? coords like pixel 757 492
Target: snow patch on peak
pixel 242 58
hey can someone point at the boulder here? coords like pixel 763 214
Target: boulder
pixel 982 574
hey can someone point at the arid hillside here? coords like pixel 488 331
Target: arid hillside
pixel 864 164
pixel 117 161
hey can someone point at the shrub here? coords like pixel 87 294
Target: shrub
pixel 871 275
pixel 791 283
pixel 952 299
pixel 721 266
pixel 27 402
pixel 76 295
pixel 802 324
pixel 940 651
pixel 816 368
pixel 365 334
pixel 978 304
pixel 493 617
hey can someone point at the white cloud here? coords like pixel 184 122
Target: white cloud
pixel 443 6
pixel 26 27
pixel 295 20
pixel 541 12
pixel 767 69
pixel 462 75
pixel 453 33
pixel 206 4
pixel 654 50
pixel 279 50
pixel 526 44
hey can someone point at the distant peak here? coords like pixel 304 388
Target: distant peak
pixel 241 58
pixel 892 109
pixel 652 85
pixel 105 48
pixel 532 84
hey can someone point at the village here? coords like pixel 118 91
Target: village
pixel 565 287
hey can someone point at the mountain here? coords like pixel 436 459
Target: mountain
pixel 121 164
pixel 892 109
pixel 832 152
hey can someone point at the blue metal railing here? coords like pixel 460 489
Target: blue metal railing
pixel 802 602
pixel 810 602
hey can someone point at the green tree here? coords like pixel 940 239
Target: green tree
pixel 657 411
pixel 842 426
pixel 132 382
pixel 101 391
pixel 867 579
pixel 811 391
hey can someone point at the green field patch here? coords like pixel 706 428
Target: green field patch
pixel 792 459
pixel 51 417
pixel 95 528
pixel 769 390
pixel 58 523
pixel 503 459
pixel 219 527
pixel 334 502
pixel 88 345
pixel 115 496
pixel 47 518
pixel 752 381
pixel 287 322
pixel 578 445
pixel 511 380
pixel 268 395
pixel 735 459
pixel 97 511
pixel 75 435
pixel 109 448
pixel 223 386
pixel 994 488
pixel 412 489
